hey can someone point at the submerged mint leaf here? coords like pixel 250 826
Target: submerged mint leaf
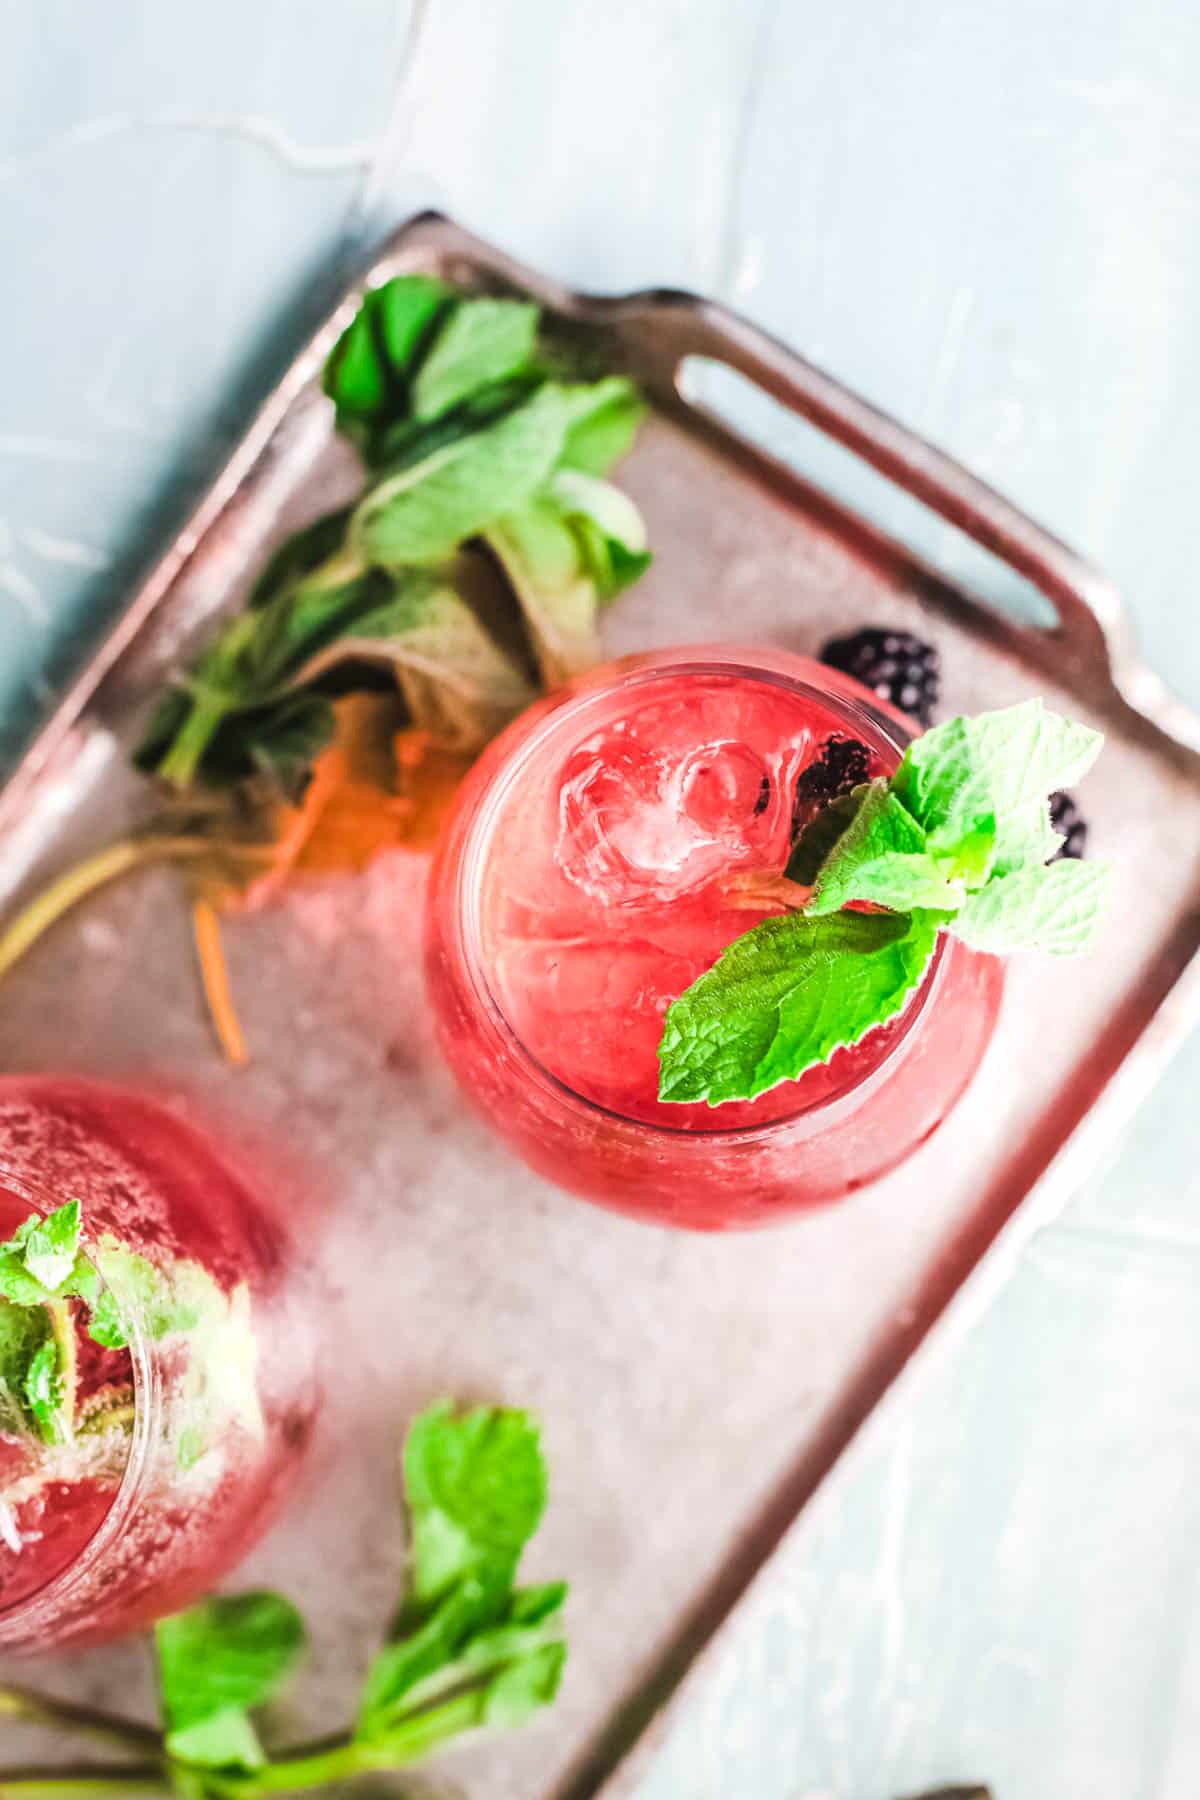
pixel 480 342
pixel 1057 907
pixel 785 996
pixel 422 514
pixel 475 1485
pixel 883 857
pixel 136 1291
pixel 45 1393
pixel 217 1662
pixel 25 1332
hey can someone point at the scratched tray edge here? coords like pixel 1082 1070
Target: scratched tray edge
pixel 1100 651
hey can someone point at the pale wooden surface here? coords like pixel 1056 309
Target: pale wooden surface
pixel 986 218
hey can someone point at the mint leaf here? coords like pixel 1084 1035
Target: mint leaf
pixel 135 1291
pixel 815 843
pixel 475 1485
pixel 786 996
pixel 882 856
pixel 574 545
pixel 1057 908
pixel 50 1245
pixel 25 1332
pixel 368 372
pixel 602 421
pixel 224 1740
pixel 1004 763
pixel 216 1663
pixel 422 1652
pixel 481 342
pixel 541 557
pixel 423 513
pixel 459 684
pixel 45 1393
pixel 609 527
pixel 523 1687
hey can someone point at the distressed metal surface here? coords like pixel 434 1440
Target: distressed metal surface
pixel 694 1391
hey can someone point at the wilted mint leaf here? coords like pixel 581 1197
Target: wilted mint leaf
pixel 786 996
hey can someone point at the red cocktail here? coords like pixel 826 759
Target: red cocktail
pixel 603 853
pixel 154 1440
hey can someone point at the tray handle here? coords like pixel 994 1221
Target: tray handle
pixel 660 330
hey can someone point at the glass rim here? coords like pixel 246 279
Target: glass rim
pixel 636 671
pixel 19 1617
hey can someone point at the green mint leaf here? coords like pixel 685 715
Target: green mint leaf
pixel 785 996
pixel 136 1292
pixel 431 1646
pixel 424 512
pixel 16 1283
pixel 475 1486
pixel 1004 763
pixel 882 857
pixel 570 548
pixel 216 1663
pixel 602 422
pixel 481 342
pixel 523 1687
pixel 610 529
pixel 225 1740
pixel 368 372
pixel 967 856
pixel 50 1245
pixel 1057 908
pixel 25 1331
pixel 298 556
pixel 45 1393
pixel 815 843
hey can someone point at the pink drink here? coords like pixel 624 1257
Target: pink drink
pixel 185 1440
pixel 584 883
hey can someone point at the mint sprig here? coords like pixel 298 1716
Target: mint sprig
pixel 468 1648
pixel 45 1276
pixel 472 439
pixel 957 841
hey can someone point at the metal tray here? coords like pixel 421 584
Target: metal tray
pixel 695 1391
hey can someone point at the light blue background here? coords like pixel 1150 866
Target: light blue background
pixel 987 217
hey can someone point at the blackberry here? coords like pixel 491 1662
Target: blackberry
pixel 843 764
pixel 894 664
pixel 1066 817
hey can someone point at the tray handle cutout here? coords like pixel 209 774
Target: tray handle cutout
pixel 666 334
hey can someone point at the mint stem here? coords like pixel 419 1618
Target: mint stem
pixel 46 908
pixel 181 761
pixel 86 1721
pixel 91 1784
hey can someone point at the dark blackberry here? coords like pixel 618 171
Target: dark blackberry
pixel 894 664
pixel 843 764
pixel 1066 817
